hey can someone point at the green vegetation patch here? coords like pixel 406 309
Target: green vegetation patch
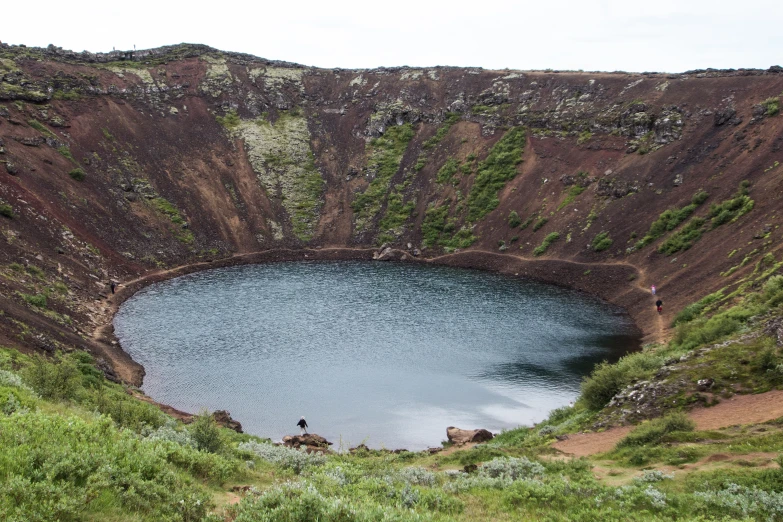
pixel 731 210
pixel 439 229
pixel 548 240
pixel 653 431
pixel 540 223
pixel 670 219
pixel 499 167
pixel 7 211
pixel 513 219
pixel 772 105
pixel 398 212
pixel 66 95
pixel 451 119
pixel 385 154
pixel 684 238
pixel 66 152
pixel 166 208
pixel 601 242
pixel 447 171
pixel 40 127
pixel 572 194
pixel 230 120
pixel 281 157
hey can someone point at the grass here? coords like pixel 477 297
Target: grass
pixel 438 229
pixel 572 194
pixel 494 172
pixel 166 208
pixel 74 446
pixel 548 240
pixel 447 171
pixel 601 242
pixel 653 432
pixel 732 209
pixel 385 154
pixel 684 238
pixel 36 300
pixel 451 119
pixel 66 152
pixel 398 212
pixel 727 211
pixel 230 120
pixel 584 137
pixel 670 219
pixel 40 127
pixel 540 223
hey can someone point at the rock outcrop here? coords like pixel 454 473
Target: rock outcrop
pixel 309 441
pixel 459 437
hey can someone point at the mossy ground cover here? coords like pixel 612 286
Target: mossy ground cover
pixel 384 156
pixel 494 172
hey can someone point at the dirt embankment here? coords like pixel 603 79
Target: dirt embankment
pixel 738 410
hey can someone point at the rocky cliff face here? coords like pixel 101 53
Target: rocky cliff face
pixel 120 163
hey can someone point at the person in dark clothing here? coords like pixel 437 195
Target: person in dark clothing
pixel 659 305
pixel 113 286
pixel 302 425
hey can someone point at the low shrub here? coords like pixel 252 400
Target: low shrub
pixel 499 167
pixel 608 379
pixel 548 240
pixel 53 381
pixel 206 433
pixel 601 242
pixel 288 458
pixel 653 431
pixel 513 219
pixel 78 174
pixel 7 210
pixel 540 223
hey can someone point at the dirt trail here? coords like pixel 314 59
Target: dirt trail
pixel 740 409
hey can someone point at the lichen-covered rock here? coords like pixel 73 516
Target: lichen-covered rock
pixel 280 155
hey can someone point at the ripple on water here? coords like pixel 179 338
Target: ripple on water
pixel 387 354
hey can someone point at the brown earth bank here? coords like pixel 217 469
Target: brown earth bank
pixel 139 167
pixel 737 410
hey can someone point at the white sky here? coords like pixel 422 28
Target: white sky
pixel 605 35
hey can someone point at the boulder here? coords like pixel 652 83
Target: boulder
pixel 460 437
pixel 311 441
pixel 223 418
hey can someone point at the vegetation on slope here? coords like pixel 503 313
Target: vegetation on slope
pixel 499 167
pixel 385 154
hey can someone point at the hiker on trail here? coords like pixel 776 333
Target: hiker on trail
pixel 659 305
pixel 113 286
pixel 652 289
pixel 302 426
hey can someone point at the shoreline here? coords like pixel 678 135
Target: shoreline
pixel 610 282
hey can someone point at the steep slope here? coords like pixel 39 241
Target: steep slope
pixel 118 165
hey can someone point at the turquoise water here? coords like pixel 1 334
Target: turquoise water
pixel 381 353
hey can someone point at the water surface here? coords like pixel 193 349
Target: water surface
pixel 381 353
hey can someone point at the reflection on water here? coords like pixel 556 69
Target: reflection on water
pixel 385 354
